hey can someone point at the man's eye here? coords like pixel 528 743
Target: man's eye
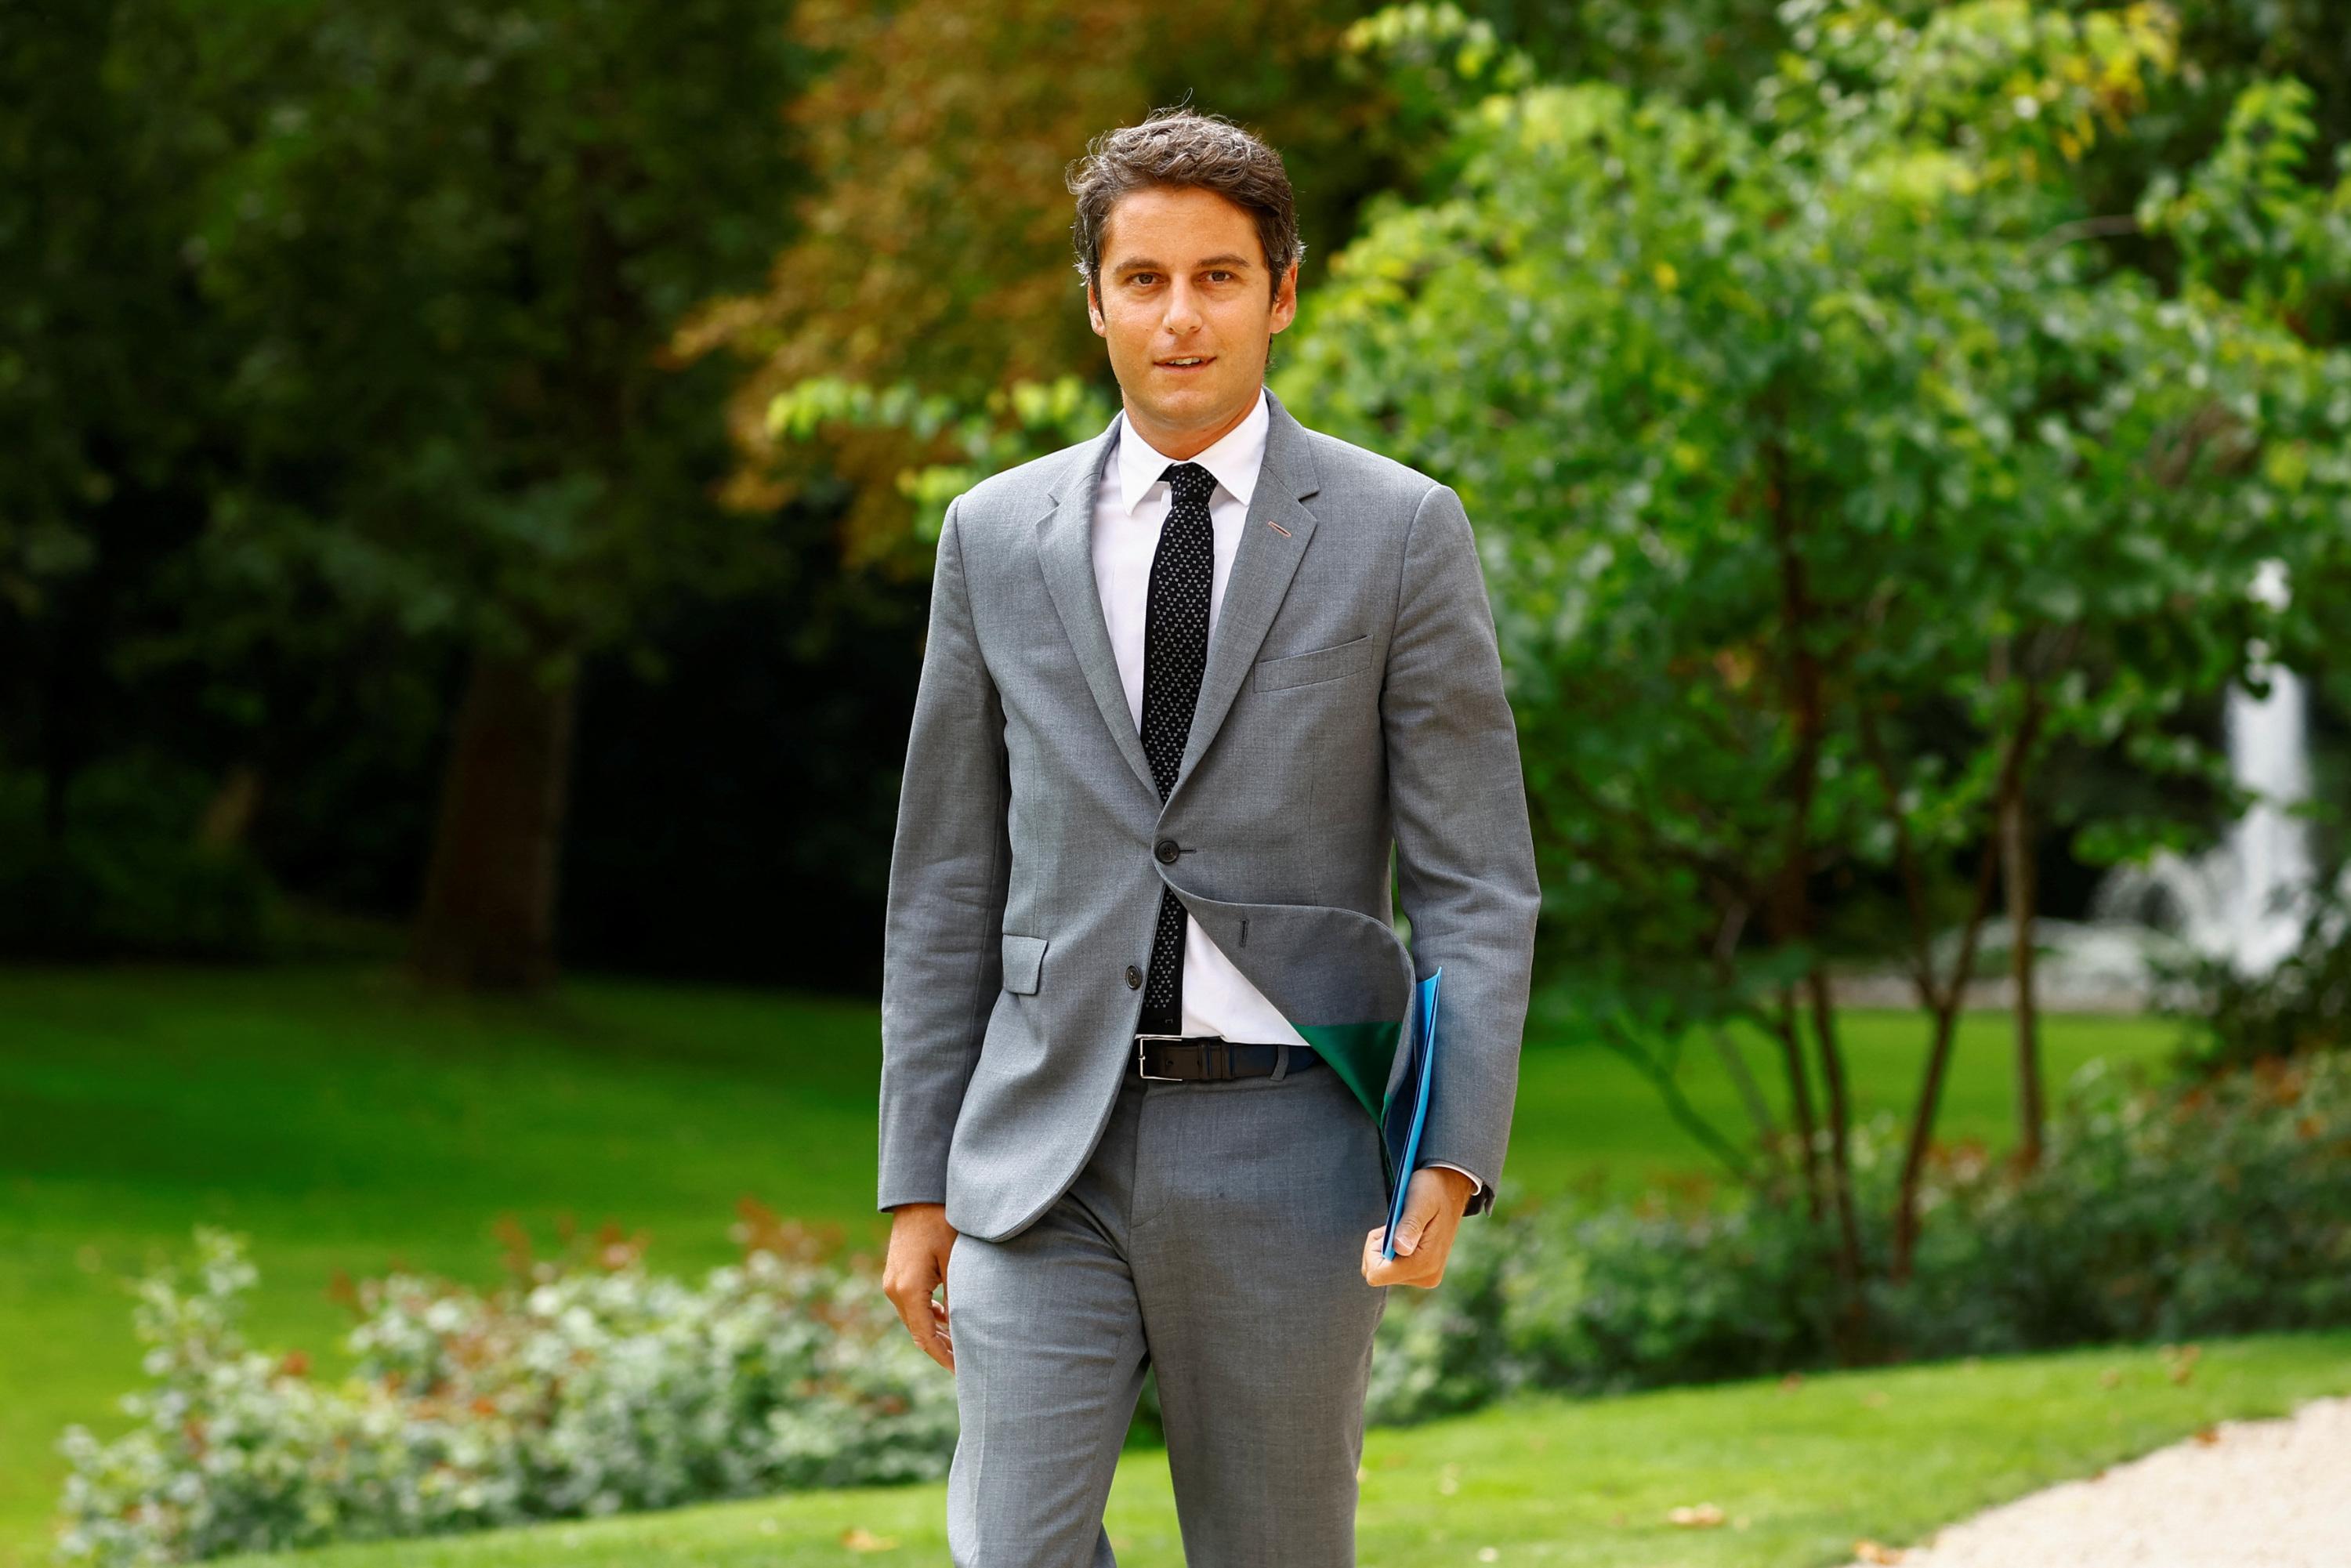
pixel 1220 273
pixel 1141 276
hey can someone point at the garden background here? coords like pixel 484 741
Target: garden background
pixel 465 541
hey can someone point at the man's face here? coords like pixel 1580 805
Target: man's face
pixel 1183 277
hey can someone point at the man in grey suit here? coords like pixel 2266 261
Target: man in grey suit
pixel 1183 684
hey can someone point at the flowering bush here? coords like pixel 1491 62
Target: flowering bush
pixel 576 1390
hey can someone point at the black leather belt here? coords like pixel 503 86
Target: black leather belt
pixel 1210 1058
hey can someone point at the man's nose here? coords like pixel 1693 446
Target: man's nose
pixel 1183 311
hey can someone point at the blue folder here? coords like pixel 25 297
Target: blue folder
pixel 1406 1110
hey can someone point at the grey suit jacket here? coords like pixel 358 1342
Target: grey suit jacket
pixel 1353 695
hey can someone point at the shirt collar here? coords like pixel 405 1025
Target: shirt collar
pixel 1234 459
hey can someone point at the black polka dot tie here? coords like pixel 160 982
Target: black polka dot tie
pixel 1175 655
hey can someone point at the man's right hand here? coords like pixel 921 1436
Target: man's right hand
pixel 920 1240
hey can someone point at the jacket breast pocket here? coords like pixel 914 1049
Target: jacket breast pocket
pixel 1024 962
pixel 1312 667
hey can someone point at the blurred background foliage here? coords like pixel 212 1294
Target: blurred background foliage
pixel 476 468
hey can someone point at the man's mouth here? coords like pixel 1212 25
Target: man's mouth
pixel 1185 362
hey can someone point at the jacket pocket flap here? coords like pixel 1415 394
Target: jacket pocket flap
pixel 1316 664
pixel 1024 961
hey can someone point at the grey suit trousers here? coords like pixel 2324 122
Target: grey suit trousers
pixel 1216 1232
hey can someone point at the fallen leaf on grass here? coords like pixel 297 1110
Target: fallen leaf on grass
pixel 1874 1551
pixel 1700 1516
pixel 859 1539
pixel 2208 1435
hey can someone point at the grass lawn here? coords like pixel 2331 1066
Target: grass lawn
pixel 1800 1471
pixel 344 1123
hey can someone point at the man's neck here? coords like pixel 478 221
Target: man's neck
pixel 1184 445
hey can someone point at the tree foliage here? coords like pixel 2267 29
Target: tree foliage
pixel 450 248
pixel 933 274
pixel 105 369
pixel 1825 480
pixel 339 334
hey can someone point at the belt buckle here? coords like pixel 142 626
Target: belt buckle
pixel 1139 1067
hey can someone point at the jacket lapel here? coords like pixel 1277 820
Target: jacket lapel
pixel 1263 564
pixel 1065 550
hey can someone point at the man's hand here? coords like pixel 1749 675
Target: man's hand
pixel 920 1240
pixel 1432 1212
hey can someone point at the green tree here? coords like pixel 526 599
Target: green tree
pixel 1825 482
pixel 449 253
pixel 105 368
pixel 1695 51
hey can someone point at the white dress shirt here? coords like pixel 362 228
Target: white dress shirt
pixel 1129 507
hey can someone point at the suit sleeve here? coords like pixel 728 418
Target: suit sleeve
pixel 1465 855
pixel 950 863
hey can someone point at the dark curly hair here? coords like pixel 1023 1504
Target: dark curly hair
pixel 1182 148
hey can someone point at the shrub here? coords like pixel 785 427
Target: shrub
pixel 580 1391
pixel 2157 1213
pixel 2214 1208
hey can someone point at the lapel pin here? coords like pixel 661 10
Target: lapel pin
pixel 1277 527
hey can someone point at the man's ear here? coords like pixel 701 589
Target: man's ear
pixel 1285 299
pixel 1093 311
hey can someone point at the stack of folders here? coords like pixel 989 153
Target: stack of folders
pixel 1406 1110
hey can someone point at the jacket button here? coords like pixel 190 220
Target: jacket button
pixel 1167 851
pixel 1133 979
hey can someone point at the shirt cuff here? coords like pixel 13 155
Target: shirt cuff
pixel 1476 1187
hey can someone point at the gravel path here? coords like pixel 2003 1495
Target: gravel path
pixel 2244 1494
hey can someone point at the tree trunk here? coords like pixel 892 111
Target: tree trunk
pixel 228 815
pixel 487 921
pixel 1944 1002
pixel 1853 1315
pixel 2016 855
pixel 1803 684
pixel 1922 1133
pixel 2016 877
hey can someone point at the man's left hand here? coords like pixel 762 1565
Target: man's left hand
pixel 1432 1212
